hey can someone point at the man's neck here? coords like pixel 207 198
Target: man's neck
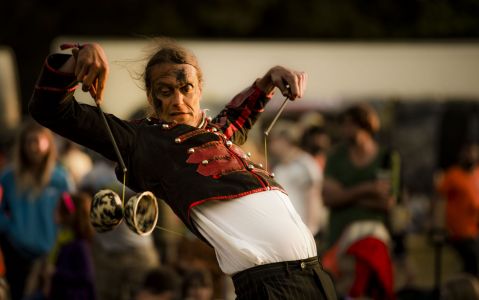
pixel 201 119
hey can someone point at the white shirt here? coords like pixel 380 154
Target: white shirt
pixel 302 180
pixel 257 229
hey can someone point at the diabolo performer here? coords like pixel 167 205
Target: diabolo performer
pixel 194 163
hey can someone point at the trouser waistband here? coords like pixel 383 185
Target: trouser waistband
pixel 267 270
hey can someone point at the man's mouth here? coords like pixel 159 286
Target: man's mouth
pixel 173 114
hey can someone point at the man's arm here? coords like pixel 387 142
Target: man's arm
pixel 241 113
pixel 54 106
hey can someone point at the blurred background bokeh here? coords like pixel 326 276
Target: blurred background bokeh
pixel 415 62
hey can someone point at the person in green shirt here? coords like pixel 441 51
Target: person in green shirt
pixel 357 189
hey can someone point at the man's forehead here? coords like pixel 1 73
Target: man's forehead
pixel 174 71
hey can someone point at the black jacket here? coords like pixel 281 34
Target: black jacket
pixel 183 165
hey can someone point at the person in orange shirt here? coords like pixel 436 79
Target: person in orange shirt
pixel 460 187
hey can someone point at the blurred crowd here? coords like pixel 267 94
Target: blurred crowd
pixel 343 182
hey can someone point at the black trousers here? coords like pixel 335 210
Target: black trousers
pixel 301 279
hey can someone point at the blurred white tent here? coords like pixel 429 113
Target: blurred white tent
pixel 9 97
pixel 337 71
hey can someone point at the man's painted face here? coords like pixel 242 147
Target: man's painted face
pixel 175 93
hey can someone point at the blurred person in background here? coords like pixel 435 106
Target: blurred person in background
pixel 73 277
pixel 315 139
pixel 359 200
pixel 4 288
pixel 121 257
pixel 194 254
pixel 459 186
pixel 460 287
pixel 7 139
pixel 160 284
pixel 75 160
pixel 31 188
pixel 192 162
pixel 317 142
pixel 297 172
pixel 197 285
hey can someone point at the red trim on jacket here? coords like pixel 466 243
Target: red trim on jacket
pixel 56 90
pixel 50 69
pixel 229 197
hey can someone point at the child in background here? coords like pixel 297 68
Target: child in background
pixel 197 285
pixel 31 187
pixel 73 275
pixel 160 284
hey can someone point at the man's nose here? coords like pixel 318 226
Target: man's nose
pixel 177 97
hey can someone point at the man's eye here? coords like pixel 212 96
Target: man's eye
pixel 163 92
pixel 187 88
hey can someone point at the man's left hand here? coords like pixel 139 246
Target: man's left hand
pixel 292 84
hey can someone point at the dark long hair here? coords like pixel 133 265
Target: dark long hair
pixel 28 175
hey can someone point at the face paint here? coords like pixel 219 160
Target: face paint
pixel 181 77
pixel 176 93
pixel 157 105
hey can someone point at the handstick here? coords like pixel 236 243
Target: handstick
pixel 112 138
pixel 93 93
pixel 267 131
pixel 280 110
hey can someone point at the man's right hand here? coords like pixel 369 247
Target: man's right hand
pixel 90 65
